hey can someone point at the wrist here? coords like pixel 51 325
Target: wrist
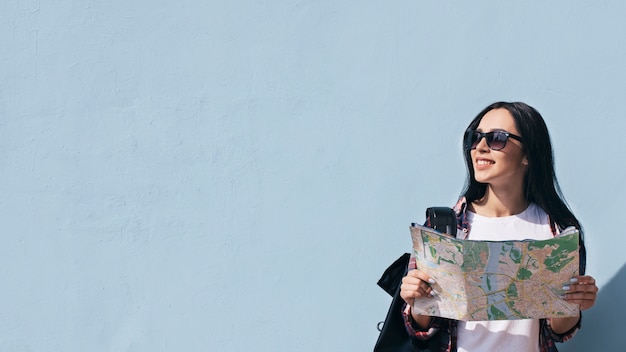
pixel 422 322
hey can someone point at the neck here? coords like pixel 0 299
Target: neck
pixel 498 203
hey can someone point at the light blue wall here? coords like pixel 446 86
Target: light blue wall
pixel 235 176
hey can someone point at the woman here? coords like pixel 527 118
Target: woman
pixel 511 185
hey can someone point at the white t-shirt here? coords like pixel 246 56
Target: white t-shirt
pixel 504 335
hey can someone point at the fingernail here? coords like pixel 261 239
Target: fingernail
pixel 433 293
pixel 566 287
pixel 431 281
pixel 574 279
pixel 563 296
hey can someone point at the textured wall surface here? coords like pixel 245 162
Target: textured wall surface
pixel 235 176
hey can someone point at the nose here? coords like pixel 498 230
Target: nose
pixel 482 145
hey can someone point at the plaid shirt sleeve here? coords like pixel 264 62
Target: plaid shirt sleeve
pixel 414 330
pixel 548 338
pixel 561 337
pixel 409 323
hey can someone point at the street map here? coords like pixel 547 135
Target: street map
pixel 493 280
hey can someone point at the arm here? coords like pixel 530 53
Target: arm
pixel 422 332
pixel 415 285
pixel 565 326
pixel 556 329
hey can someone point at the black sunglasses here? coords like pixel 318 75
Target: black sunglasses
pixel 496 140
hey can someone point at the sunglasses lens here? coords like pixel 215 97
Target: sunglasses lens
pixel 497 140
pixel 473 139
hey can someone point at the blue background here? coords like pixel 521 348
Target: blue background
pixel 235 176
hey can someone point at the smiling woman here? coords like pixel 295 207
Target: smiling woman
pixel 511 194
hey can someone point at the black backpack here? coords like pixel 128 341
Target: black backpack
pixel 393 335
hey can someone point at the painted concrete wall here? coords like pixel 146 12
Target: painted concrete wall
pixel 235 176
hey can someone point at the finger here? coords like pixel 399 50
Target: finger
pixel 421 275
pixel 417 289
pixel 584 300
pixel 422 279
pixel 584 289
pixel 580 296
pixel 411 280
pixel 583 280
pixel 581 288
pixel 412 287
pixel 582 303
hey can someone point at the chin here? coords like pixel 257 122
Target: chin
pixel 481 178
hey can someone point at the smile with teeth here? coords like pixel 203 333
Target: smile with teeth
pixel 484 162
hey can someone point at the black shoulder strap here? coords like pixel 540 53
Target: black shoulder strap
pixel 442 219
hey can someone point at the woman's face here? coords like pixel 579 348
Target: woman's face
pixel 499 168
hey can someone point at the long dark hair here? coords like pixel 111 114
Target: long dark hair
pixel 540 183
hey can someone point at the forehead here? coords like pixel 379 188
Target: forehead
pixel 497 119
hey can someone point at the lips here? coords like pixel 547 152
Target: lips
pixel 482 162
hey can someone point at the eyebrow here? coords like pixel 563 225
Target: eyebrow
pixel 494 130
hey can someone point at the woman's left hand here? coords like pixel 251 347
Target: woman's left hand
pixel 582 292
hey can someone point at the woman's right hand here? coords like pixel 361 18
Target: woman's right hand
pixel 416 284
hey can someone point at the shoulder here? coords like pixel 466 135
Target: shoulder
pixel 535 214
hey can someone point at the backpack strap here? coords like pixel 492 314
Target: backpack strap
pixel 462 224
